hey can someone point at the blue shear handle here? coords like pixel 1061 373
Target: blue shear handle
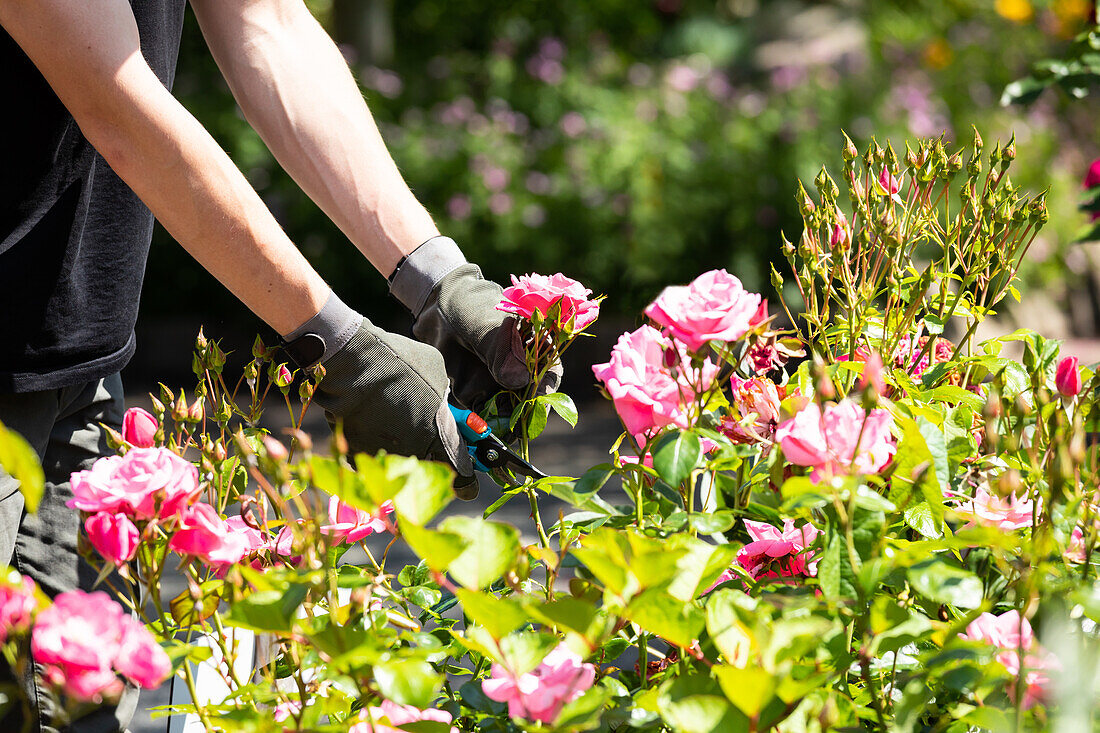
pixel 462 419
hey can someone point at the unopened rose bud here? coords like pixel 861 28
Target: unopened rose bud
pixel 1009 152
pixel 305 390
pixel 180 408
pixel 275 449
pixel 282 376
pixel 1067 377
pixel 302 439
pixel 849 152
pixel 671 358
pixel 115 440
pixel 139 428
pixel 888 182
pixel 977 139
pixel 196 413
pixel 220 453
pixel 259 351
pixel 200 341
pixel 317 373
pixel 911 157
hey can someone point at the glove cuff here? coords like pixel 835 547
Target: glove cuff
pixel 422 270
pixel 323 335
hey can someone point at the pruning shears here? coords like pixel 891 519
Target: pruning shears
pixel 486 449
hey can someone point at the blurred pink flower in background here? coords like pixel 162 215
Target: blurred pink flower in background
pixel 986 509
pixel 907 351
pixel 495 177
pixel 113 536
pixel 714 307
pixel 350 524
pixel 459 207
pixel 573 124
pixel 648 395
pixel 84 638
pixel 682 77
pixel 500 204
pixel 144 483
pixel 827 441
pixel 1012 633
pixel 371 720
pixel 139 428
pixel 17 606
pixel 1092 180
pixel 530 293
pixel 539 695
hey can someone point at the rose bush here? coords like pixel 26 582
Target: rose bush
pixel 866 520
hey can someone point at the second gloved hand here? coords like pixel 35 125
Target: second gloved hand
pixel 390 392
pixel 454 309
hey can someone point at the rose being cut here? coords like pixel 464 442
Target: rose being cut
pixel 539 695
pixel 648 394
pixel 533 293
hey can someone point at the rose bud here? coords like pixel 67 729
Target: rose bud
pixel 1067 378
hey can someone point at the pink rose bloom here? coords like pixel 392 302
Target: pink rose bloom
pixel 286 709
pixel 714 307
pixel 145 483
pixel 203 533
pixel 530 293
pixel 646 393
pixel 776 553
pixel 78 639
pixel 987 509
pixel 113 536
pixel 139 427
pixel 350 525
pixel 1092 180
pixel 827 441
pixel 759 399
pixel 17 606
pixel 1075 553
pixel 906 353
pixel 376 717
pixel 540 694
pixel 1012 633
pixel 140 658
pixel 1067 377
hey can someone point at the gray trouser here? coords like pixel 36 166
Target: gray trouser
pixel 63 427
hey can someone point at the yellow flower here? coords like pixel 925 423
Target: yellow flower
pixel 1018 11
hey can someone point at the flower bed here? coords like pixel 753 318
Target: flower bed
pixel 870 521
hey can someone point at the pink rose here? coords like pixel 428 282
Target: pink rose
pixel 376 717
pixel 1092 180
pixel 113 536
pixel 17 606
pixel 714 307
pixel 827 441
pixel 139 427
pixel 906 353
pixel 841 236
pixel 145 483
pixel 77 639
pixel 648 394
pixel 286 709
pixel 1067 377
pixel 530 293
pixel 203 533
pixel 540 694
pixel 1012 633
pixel 889 182
pixel 776 553
pixel 350 525
pixel 757 401
pixel 140 658
pixel 989 510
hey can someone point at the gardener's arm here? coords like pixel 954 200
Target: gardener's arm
pixel 297 91
pixel 390 391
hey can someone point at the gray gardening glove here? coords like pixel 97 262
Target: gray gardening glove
pixel 389 391
pixel 455 311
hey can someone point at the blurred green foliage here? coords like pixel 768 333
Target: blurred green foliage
pixel 635 144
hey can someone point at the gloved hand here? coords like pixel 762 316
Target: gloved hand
pixel 454 310
pixel 389 391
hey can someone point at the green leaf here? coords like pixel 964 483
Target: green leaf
pixel 408 682
pixel 268 610
pixel 428 488
pixel 712 523
pixel 436 548
pixel 499 616
pixel 920 518
pixel 937 580
pixel 567 614
pixel 726 628
pixel 669 618
pixel 540 411
pixel 562 404
pixel 696 704
pixel 676 455
pixel 749 689
pixel 19 460
pixel 492 548
pixel 584 712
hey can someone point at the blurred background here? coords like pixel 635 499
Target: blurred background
pixel 633 144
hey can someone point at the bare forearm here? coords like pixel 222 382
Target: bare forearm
pixel 166 157
pixel 297 91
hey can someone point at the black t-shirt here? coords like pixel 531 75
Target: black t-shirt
pixel 73 237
